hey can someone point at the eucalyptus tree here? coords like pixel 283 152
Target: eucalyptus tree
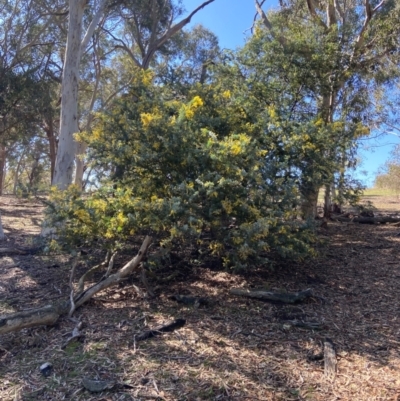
pixel 189 58
pixel 140 29
pixel 143 28
pixel 333 53
pixel 30 36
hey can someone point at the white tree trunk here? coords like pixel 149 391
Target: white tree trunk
pixel 69 93
pixel 69 97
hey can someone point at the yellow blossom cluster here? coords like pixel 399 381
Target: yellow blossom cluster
pixel 191 108
pixel 146 119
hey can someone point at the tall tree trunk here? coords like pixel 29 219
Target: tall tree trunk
pixel 69 98
pixel 327 200
pixel 341 182
pixel 17 170
pixel 49 129
pixel 3 154
pixel 310 201
pixel 80 164
pixel 66 151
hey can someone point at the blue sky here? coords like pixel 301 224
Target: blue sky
pixel 231 20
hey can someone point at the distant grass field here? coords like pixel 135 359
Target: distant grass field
pixel 385 200
pixel 380 192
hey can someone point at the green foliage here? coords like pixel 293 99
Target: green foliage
pixel 191 170
pixel 221 156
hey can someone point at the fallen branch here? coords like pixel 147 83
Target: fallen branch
pixel 49 314
pixel 171 326
pixel 90 272
pixel 368 220
pixel 20 251
pixel 12 251
pixel 273 296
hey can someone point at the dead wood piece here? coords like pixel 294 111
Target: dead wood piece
pixel 90 272
pixel 76 335
pixel 49 314
pixel 166 328
pixel 46 315
pixel 369 220
pixel 188 300
pixel 97 386
pixel 305 325
pixel 274 296
pixel 12 251
pixel 330 361
pixel 115 278
pixel 20 250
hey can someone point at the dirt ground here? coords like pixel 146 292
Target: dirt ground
pixel 231 349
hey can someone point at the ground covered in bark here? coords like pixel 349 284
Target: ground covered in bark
pixel 230 348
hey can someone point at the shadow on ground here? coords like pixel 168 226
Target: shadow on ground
pixel 232 349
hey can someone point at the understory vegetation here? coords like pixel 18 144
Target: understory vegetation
pixel 202 201
pixel 161 132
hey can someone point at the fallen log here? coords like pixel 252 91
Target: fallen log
pixel 287 298
pixel 20 251
pixel 368 220
pixel 12 251
pixel 49 314
pixel 171 326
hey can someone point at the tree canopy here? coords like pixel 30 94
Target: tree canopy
pixel 225 151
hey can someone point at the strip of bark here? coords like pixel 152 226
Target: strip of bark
pixel 287 298
pixel 49 314
pixel 330 361
pixel 305 325
pixel 166 328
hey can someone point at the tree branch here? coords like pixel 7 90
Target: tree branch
pixel 264 17
pixel 339 10
pixel 281 39
pixel 124 47
pixel 369 13
pixel 92 26
pixel 171 31
pixel 312 8
pixel 331 13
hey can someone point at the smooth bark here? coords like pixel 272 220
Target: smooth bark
pixel 69 98
pixel 66 151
